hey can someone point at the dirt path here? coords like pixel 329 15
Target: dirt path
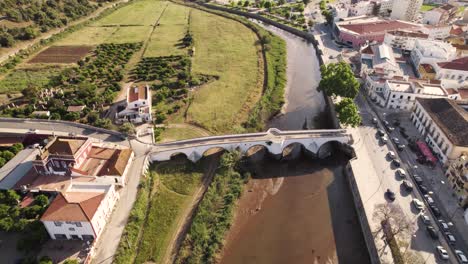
pixel 186 216
pixel 26 44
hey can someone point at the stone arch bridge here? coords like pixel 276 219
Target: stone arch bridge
pixel 317 142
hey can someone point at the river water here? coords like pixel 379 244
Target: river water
pixel 299 211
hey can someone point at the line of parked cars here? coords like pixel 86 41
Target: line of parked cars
pixel 418 204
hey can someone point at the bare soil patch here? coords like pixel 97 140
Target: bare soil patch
pixel 62 54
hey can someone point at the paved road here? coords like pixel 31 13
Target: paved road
pixel 420 241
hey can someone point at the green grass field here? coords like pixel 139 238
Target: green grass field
pixel 99 35
pixel 226 49
pixel 172 28
pixel 174 191
pixel 17 80
pixel 172 134
pixel 427 7
pixel 141 12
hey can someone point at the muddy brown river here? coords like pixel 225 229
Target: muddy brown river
pixel 299 211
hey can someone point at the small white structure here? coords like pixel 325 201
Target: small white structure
pixel 453 74
pixel 431 52
pixel 138 105
pixel 17 167
pixel 81 212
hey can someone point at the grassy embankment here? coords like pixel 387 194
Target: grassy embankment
pixel 157 210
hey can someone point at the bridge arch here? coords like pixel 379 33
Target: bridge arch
pixel 328 148
pixel 178 154
pixel 211 150
pixel 292 150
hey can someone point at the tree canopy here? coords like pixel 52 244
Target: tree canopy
pixel 348 113
pixel 338 80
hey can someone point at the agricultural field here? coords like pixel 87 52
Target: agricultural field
pixel 20 79
pixel 167 36
pixel 100 35
pixel 61 54
pixel 140 13
pixel 220 105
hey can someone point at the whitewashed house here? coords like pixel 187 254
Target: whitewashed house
pixel 453 74
pixel 138 105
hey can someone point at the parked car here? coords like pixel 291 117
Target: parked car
pixel 408 185
pixel 461 256
pixel 384 139
pixel 32 131
pixel 450 238
pixel 401 173
pixel 423 189
pixel 425 219
pixel 386 123
pixel 418 204
pixel 444 225
pixel 381 132
pixel 432 232
pixel 442 252
pixel 396 163
pixel 390 128
pixel 435 210
pixel 390 195
pixel 419 181
pixel 429 199
pixel 374 120
pixel 396 140
pixel 401 147
pixel 391 155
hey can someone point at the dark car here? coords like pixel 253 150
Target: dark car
pixel 408 185
pixel 380 132
pixel 390 195
pixel 435 210
pixel 396 163
pixel 419 181
pixel 423 189
pixel 432 232
pixel 401 147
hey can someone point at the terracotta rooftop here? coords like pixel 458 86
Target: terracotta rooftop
pixel 367 50
pixel 458 64
pixel 137 93
pixel 451 91
pixel 117 163
pixel 450 117
pixel 463 93
pixel 64 145
pixel 456 31
pixel 73 206
pixel 377 27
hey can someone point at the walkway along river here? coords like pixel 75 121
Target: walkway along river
pixel 300 211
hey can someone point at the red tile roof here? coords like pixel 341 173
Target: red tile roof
pixel 456 31
pixel 463 93
pixel 367 50
pixel 451 91
pixel 458 64
pixel 376 27
pixel 137 93
pixel 73 206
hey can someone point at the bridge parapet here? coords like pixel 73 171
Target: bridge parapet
pixel 274 140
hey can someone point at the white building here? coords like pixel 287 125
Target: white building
pixel 138 105
pixel 440 15
pixel 443 123
pixel 457 175
pixel 431 52
pixel 437 31
pixel 381 59
pixel 404 40
pixel 385 7
pixel 402 94
pixel 453 74
pixel 406 9
pixel 81 212
pixel 362 8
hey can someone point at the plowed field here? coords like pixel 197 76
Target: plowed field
pixel 61 54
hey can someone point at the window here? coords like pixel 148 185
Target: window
pixel 144 102
pixel 60 236
pixel 459 77
pixel 393 96
pixel 401 96
pixel 136 105
pixel 78 224
pixel 75 237
pixel 409 97
pixel 87 237
pixel 58 223
pixel 64 165
pixel 71 229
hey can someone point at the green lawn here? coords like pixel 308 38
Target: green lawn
pixel 428 7
pixel 177 184
pixel 223 48
pixel 22 78
pixel 172 28
pixel 140 12
pixel 172 134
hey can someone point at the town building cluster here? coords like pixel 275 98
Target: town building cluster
pixel 82 177
pixel 415 61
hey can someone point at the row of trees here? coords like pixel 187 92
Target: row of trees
pixel 44 16
pixel 338 81
pixel 9 153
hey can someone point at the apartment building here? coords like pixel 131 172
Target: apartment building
pixel 404 40
pixel 457 175
pixel 431 52
pixel 440 15
pixel 406 9
pixel 443 123
pixel 453 74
